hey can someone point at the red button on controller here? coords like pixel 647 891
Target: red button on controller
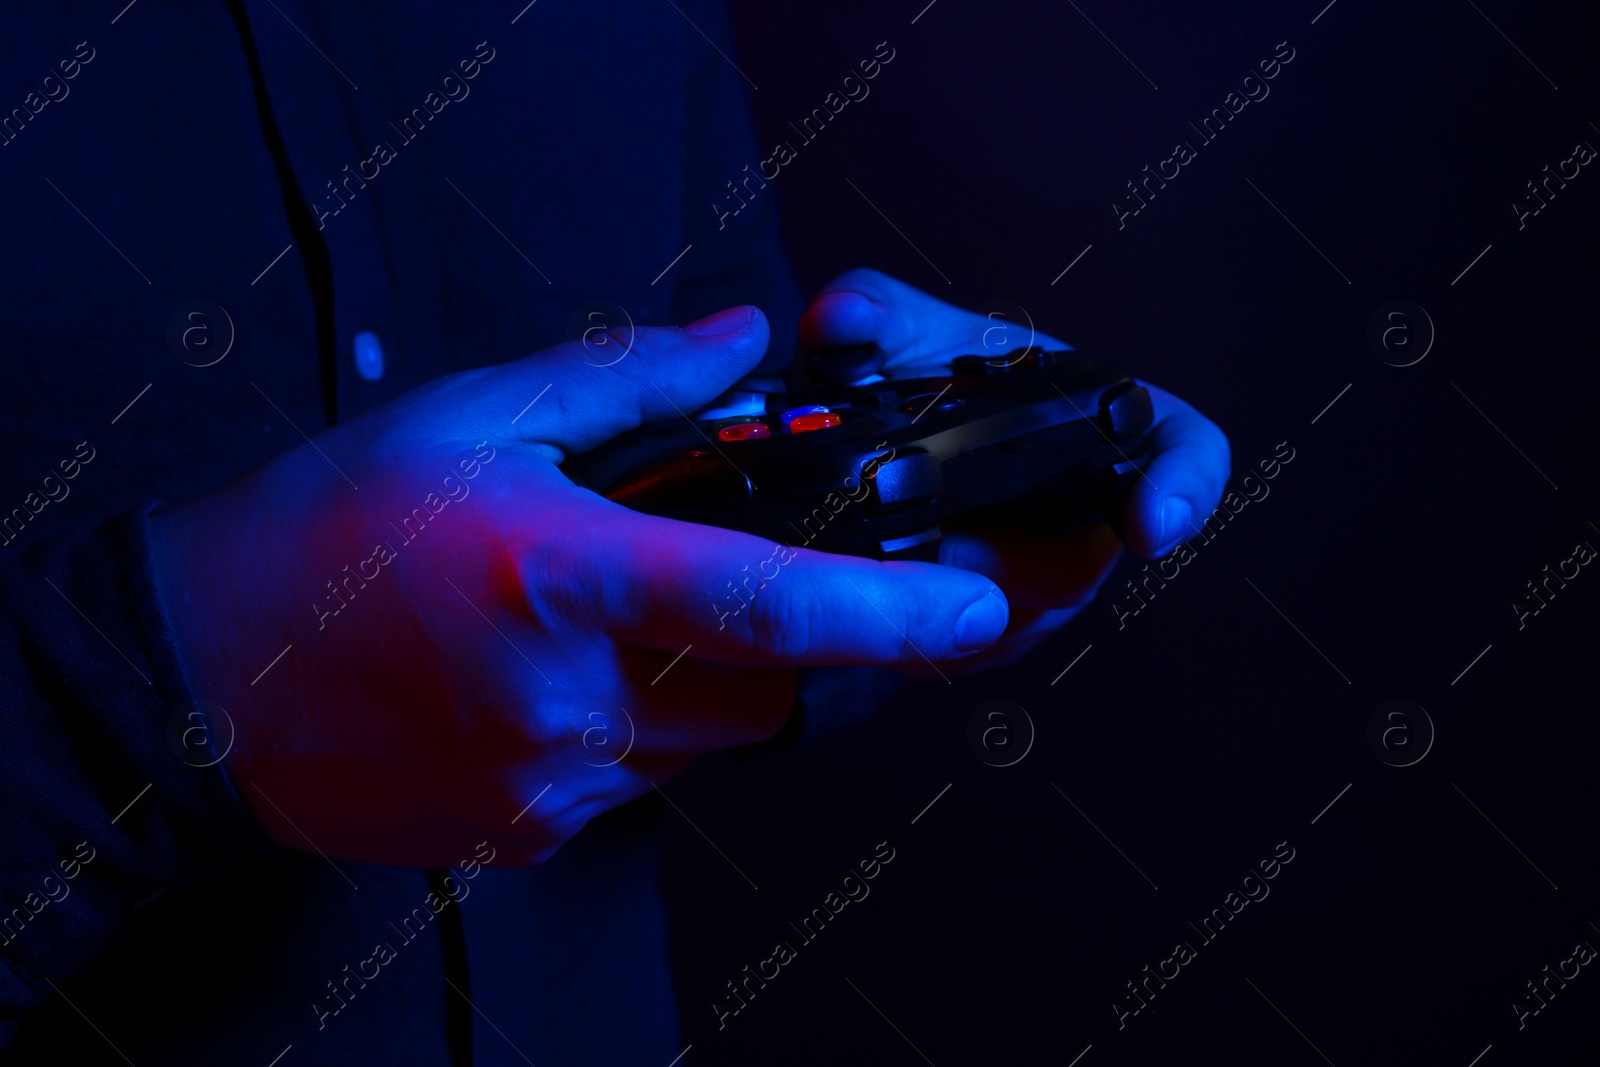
pixel 744 431
pixel 817 420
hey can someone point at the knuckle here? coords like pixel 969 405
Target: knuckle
pixel 622 337
pixel 917 617
pixel 784 627
pixel 549 593
pixel 861 276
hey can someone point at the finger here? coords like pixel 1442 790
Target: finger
pixel 862 306
pixel 919 333
pixel 641 700
pixel 1028 630
pixel 663 584
pixel 560 801
pixel 577 395
pixel 1182 484
pixel 1035 570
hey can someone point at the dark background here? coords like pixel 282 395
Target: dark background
pixel 1209 730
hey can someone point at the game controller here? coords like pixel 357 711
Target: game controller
pixel 1032 438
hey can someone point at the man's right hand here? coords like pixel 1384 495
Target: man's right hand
pixel 470 635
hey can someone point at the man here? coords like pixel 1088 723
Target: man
pixel 309 635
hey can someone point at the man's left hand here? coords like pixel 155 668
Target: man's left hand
pixel 1047 577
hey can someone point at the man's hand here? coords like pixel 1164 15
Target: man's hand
pixel 468 647
pixel 1047 578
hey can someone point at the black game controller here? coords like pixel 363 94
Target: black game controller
pixel 1032 438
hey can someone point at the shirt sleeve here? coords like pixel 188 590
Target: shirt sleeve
pixel 111 781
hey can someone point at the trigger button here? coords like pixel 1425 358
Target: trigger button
pixel 904 482
pixel 1128 414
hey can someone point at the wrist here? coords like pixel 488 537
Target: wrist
pixel 220 572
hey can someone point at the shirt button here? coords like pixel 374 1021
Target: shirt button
pixel 369 356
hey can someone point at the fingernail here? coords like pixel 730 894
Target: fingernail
pixel 1177 523
pixel 733 320
pixel 982 623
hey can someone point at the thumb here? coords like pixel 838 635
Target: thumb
pixel 580 394
pixel 866 306
pixel 918 333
